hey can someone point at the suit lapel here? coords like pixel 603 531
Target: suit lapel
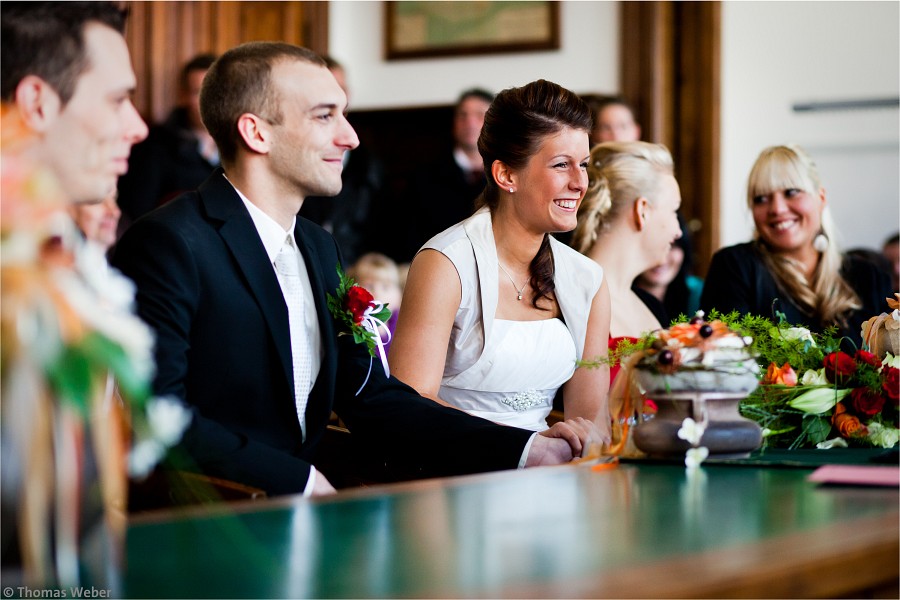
pixel 239 233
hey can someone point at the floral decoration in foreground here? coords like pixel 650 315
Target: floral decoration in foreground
pixel 813 394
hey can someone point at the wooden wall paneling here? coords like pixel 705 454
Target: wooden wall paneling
pixel 135 37
pixel 315 26
pixel 647 80
pixel 698 108
pixel 162 36
pixel 670 68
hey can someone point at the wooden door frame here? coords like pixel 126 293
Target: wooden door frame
pixel 671 72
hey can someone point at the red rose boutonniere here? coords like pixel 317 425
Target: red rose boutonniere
pixel 354 307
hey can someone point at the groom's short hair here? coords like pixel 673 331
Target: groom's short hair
pixel 240 82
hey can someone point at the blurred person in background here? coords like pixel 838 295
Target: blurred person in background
pixel 891 251
pixel 627 224
pixel 98 221
pixel 443 193
pixel 614 121
pixel 672 281
pixel 177 156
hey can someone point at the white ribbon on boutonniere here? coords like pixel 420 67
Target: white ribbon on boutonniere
pixel 362 315
pixel 372 323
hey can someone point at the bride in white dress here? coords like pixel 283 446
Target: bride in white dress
pixel 496 311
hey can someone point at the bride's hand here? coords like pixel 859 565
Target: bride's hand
pixel 578 435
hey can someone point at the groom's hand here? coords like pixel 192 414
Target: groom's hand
pixel 563 442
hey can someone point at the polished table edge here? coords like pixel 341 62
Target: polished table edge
pixel 842 560
pixel 238 507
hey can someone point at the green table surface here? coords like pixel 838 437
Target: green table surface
pixel 649 530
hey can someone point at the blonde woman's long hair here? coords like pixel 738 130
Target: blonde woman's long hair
pixel 828 296
pixel 618 174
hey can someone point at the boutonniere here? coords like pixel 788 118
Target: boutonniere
pixel 357 310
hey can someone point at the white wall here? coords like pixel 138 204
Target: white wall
pixel 775 54
pixel 587 61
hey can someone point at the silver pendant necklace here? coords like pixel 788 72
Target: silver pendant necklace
pixel 519 290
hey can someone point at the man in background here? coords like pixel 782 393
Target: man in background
pixel 177 156
pixel 613 121
pixel 443 193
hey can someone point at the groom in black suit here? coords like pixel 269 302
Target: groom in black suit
pixel 260 362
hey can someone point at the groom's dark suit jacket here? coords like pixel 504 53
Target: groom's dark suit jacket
pixel 207 288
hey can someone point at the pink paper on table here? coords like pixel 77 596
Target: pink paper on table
pixel 857 475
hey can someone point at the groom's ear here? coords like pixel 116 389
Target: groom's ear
pixel 255 132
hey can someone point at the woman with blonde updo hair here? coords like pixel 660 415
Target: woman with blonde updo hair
pixel 627 223
pixel 794 265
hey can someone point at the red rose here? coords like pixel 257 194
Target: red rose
pixel 868 358
pixel 891 385
pixel 864 402
pixel 838 365
pixel 358 300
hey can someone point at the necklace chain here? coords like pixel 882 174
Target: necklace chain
pixel 518 289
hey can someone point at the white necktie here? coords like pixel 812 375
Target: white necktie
pixel 288 267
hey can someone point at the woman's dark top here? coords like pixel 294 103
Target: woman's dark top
pixel 653 303
pixel 739 280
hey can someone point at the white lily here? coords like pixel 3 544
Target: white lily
pixel 891 361
pixel 818 400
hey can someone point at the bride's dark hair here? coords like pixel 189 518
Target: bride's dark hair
pixel 515 125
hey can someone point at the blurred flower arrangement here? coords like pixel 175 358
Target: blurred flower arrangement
pixel 813 394
pixel 76 365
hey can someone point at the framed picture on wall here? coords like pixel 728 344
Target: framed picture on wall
pixel 434 28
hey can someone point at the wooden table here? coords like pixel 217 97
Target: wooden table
pixel 644 530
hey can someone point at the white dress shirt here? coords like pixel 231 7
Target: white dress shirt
pixel 273 237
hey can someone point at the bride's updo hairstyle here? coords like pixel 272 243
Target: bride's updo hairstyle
pixel 515 126
pixel 618 174
pixel 828 296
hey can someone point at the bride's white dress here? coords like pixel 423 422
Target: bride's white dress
pixel 530 360
pixel 509 371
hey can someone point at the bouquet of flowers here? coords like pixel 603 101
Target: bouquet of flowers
pixel 813 394
pixel 76 364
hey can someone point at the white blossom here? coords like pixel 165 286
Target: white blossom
pixel 695 456
pixel 691 431
pixel 882 436
pixel 837 442
pixel 814 377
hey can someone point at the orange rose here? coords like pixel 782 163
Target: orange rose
pixel 847 425
pixel 784 375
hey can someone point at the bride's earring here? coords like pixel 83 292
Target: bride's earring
pixel 820 242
